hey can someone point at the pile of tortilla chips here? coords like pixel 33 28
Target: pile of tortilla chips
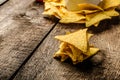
pixel 87 13
pixel 75 46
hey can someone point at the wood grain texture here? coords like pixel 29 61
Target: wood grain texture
pixel 42 66
pixel 22 27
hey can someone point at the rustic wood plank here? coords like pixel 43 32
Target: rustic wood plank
pixel 22 27
pixel 2 1
pixel 42 66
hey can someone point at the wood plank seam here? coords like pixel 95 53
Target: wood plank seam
pixel 22 28
pixel 3 2
pixel 26 60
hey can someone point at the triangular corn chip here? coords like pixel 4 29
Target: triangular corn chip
pixel 47 6
pixel 91 52
pixel 87 6
pixel 105 4
pixel 80 21
pixel 59 3
pixel 111 12
pixel 71 17
pixel 96 24
pixel 97 18
pixel 90 11
pixel 85 11
pixel 53 11
pixel 77 39
pixel 72 5
pixel 51 0
pixel 75 52
pixel 75 46
pixel 62 51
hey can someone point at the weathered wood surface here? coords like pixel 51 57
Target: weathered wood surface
pixel 22 28
pixel 42 66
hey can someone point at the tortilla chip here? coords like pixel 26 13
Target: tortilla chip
pixel 87 13
pixel 90 11
pixel 71 17
pixel 96 24
pixel 80 21
pixel 51 0
pixel 47 6
pixel 61 55
pixel 105 4
pixel 61 52
pixel 91 52
pixel 58 3
pixel 96 18
pixel 75 46
pixel 75 52
pixel 88 6
pixel 111 12
pixel 78 39
pixel 72 5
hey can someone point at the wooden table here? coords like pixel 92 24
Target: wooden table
pixel 27 46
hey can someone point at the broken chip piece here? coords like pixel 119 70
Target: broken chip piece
pixel 81 10
pixel 75 46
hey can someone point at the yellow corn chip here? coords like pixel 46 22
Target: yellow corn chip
pixel 75 46
pixel 90 11
pixel 91 52
pixel 89 35
pixel 59 3
pixel 71 17
pixel 111 12
pixel 55 11
pixel 75 52
pixel 96 24
pixel 72 5
pixel 61 54
pixel 80 21
pixel 51 0
pixel 78 39
pixel 47 6
pixel 85 11
pixel 86 6
pixel 96 18
pixel 105 4
pixel 81 11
